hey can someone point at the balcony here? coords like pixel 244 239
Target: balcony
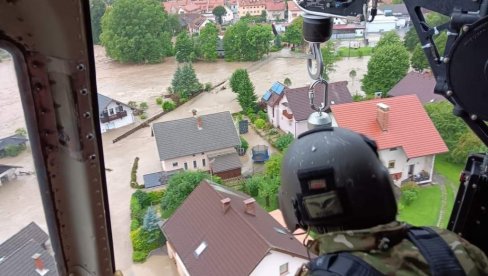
pixel 118 115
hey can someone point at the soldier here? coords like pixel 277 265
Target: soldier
pixel 333 183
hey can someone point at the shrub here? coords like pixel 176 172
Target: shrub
pixel 244 144
pixel 21 132
pixel 252 117
pixel 168 106
pixel 142 198
pixel 284 141
pixel 260 123
pixel 239 117
pixel 139 256
pixel 134 224
pixel 262 115
pixel 409 192
pixel 273 131
pixel 133 174
pixel 136 211
pixel 154 197
pixel 143 116
pixel 252 187
pixel 13 151
pixel 159 100
pixel 143 106
pixel 208 86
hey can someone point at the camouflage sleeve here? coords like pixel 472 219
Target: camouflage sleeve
pixel 478 257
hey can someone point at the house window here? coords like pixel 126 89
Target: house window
pixel 393 149
pixel 194 164
pixel 175 164
pixel 203 162
pixel 111 111
pixel 186 166
pixel 391 164
pixel 120 108
pixel 284 269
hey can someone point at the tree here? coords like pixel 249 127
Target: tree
pixel 97 9
pixel 242 85
pixel 236 45
pixel 329 58
pixel 419 60
pixel 284 141
pixel 151 220
pixel 185 82
pixel 287 82
pixel 173 25
pixel 388 65
pixel 293 33
pixel 352 75
pixel 208 42
pixel 458 137
pixel 21 132
pixel 184 51
pixel 259 37
pixel 389 38
pixel 180 185
pixel 268 188
pixel 219 11
pixel 133 31
pixel 272 167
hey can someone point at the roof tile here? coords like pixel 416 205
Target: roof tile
pixel 420 84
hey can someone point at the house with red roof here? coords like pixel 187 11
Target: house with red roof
pixel 406 137
pixel 218 231
pixel 419 83
pixel 289 108
pixel 275 10
pixel 293 11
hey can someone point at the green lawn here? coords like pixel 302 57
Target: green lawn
pixel 346 52
pixel 425 210
pixel 273 204
pixel 451 173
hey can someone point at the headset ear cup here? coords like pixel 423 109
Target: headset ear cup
pixel 371 143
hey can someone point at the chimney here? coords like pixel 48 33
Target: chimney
pixel 194 112
pixel 250 206
pixel 225 204
pixel 39 264
pixel 199 123
pixel 382 116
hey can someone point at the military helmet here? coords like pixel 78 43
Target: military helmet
pixel 332 178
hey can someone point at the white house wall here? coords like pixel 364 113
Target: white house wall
pixel 381 24
pixel 402 163
pixel 167 165
pixel 127 120
pixel 182 271
pixel 270 264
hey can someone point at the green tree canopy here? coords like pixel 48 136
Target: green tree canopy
pixel 329 57
pixel 259 37
pixel 458 137
pixel 97 9
pixel 185 82
pixel 389 38
pixel 180 185
pixel 173 24
pixel 419 60
pixel 219 11
pixel 287 82
pixel 387 66
pixel 184 51
pixel 293 33
pixel 208 42
pixel 133 31
pixel 241 84
pixel 247 43
pixel 433 19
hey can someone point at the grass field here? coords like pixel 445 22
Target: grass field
pixel 346 52
pixel 424 210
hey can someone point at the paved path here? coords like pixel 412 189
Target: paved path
pixel 441 181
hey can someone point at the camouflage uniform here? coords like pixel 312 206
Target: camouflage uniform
pixel 401 259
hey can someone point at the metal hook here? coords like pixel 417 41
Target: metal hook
pixel 311 95
pixel 317 56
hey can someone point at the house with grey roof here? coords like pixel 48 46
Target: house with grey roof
pixel 206 142
pixel 289 108
pixel 219 231
pixel 421 84
pixel 27 253
pixel 113 114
